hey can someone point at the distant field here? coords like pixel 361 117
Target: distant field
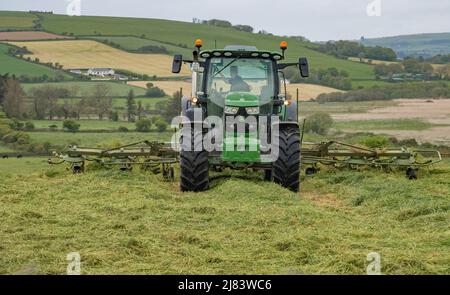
pixel 306 91
pixel 18 67
pixel 86 124
pixel 16 20
pixel 393 124
pixel 29 35
pixel 420 44
pixel 169 87
pixel 343 108
pixel 116 88
pixel 88 54
pixel 134 43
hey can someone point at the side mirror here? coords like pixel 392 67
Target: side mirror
pixel 303 66
pixel 177 63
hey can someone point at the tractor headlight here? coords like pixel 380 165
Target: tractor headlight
pixel 252 110
pixel 231 110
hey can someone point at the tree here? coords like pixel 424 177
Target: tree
pixel 160 124
pixel 131 106
pixel 45 101
pixel 102 100
pixel 143 125
pixel 14 99
pixel 172 107
pixel 3 79
pixel 319 123
pixel 71 125
pixel 140 110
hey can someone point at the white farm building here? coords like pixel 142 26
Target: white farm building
pixel 102 72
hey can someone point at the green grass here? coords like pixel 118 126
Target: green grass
pixel 394 124
pixel 134 223
pixel 19 67
pixel 86 124
pixel 16 20
pixel 93 139
pixel 116 88
pixel 309 107
pixel 5 149
pixel 134 43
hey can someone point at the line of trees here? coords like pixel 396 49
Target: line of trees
pixel 345 49
pixel 330 77
pixel 415 67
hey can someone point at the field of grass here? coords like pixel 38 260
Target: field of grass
pixel 309 107
pixel 117 89
pixel 83 54
pixel 18 67
pixel 135 223
pixel 86 124
pixel 94 139
pixel 394 124
pixel 16 20
pixel 134 43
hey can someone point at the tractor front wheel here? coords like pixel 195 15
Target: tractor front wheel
pixel 286 169
pixel 194 168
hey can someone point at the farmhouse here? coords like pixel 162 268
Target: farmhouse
pixel 102 72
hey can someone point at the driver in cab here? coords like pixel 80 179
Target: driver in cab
pixel 237 83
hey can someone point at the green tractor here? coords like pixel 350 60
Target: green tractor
pixel 238 116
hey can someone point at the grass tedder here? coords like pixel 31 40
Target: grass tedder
pixel 239 116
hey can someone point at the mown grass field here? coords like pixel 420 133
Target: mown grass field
pixel 84 54
pixel 18 67
pixel 135 223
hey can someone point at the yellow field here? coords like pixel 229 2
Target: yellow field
pixel 306 91
pixel 91 54
pixel 373 61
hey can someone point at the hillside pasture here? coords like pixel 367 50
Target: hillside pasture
pixel 10 20
pixel 76 54
pixel 19 67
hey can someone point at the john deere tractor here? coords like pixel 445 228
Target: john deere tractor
pixel 239 84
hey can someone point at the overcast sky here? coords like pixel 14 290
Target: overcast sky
pixel 317 20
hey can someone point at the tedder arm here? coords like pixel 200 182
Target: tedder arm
pixel 160 157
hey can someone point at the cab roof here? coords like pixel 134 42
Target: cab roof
pixel 240 51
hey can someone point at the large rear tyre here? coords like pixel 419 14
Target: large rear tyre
pixel 194 167
pixel 286 169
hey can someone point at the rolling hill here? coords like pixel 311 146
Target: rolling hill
pixel 425 45
pixel 182 34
